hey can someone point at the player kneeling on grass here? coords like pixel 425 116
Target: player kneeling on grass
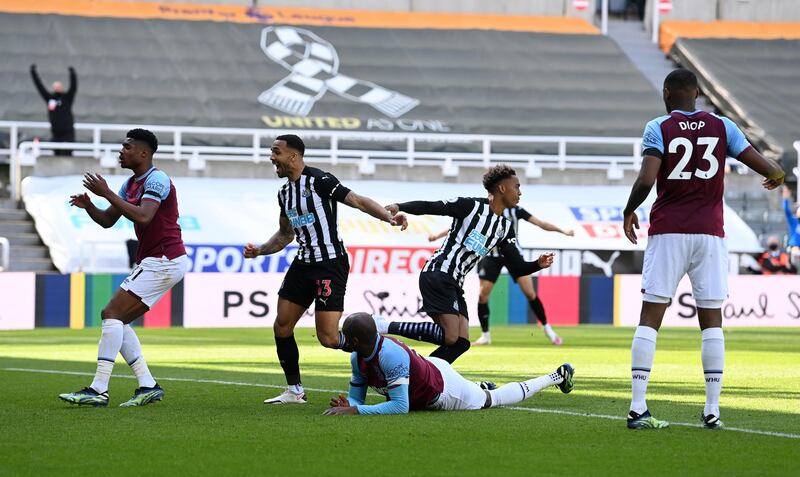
pixel 411 382
pixel 150 201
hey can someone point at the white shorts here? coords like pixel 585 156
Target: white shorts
pixel 668 257
pixel 459 393
pixel 153 277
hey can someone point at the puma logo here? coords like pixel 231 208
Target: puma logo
pixel 324 301
pixel 591 258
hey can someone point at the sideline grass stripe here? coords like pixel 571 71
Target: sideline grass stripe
pixel 514 408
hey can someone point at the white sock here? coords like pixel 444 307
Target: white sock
pixel 131 350
pixel 548 330
pixel 513 393
pixel 296 389
pixel 107 350
pixel 643 349
pixel 712 353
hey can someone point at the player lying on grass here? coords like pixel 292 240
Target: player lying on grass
pixel 411 382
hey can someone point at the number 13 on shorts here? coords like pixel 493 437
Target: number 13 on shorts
pixel 324 288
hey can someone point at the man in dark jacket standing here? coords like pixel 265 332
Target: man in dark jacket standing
pixel 59 107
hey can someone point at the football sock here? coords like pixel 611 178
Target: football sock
pixel 538 310
pixel 131 351
pixel 643 349
pixel 343 343
pixel 452 352
pixel 428 332
pixel 107 350
pixel 548 330
pixel 513 393
pixel 289 357
pixel 712 353
pixel 483 316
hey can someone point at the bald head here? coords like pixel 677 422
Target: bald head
pixel 360 332
pixel 58 87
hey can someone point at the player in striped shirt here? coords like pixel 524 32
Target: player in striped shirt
pixel 411 382
pixel 489 269
pixel 478 227
pixel 319 271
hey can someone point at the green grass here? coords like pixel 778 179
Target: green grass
pixel 224 429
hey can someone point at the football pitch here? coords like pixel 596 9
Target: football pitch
pixel 212 420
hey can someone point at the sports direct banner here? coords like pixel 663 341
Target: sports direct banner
pixel 218 216
pixel 753 301
pixel 222 300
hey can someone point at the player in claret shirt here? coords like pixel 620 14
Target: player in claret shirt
pixel 411 382
pixel 150 201
pixel 684 155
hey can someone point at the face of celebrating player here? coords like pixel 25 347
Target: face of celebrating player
pixel 509 192
pixel 132 154
pixel 282 158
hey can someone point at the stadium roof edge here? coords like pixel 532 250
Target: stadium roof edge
pixel 299 16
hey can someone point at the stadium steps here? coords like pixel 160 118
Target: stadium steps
pixel 28 253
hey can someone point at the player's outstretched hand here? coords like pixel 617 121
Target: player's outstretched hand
pixel 80 200
pixel 251 250
pixel 771 184
pixel 400 220
pixel 96 184
pixel 631 221
pixel 340 411
pixel 569 233
pixel 787 193
pixel 546 259
pixel 393 209
pixel 339 401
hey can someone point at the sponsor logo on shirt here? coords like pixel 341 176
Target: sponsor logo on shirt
pixel 299 220
pixel 474 243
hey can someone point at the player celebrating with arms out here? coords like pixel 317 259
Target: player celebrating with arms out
pixel 684 155
pixel 411 382
pixel 478 227
pixel 489 269
pixel 150 201
pixel 319 272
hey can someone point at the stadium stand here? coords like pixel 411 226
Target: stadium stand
pixel 754 82
pixel 473 81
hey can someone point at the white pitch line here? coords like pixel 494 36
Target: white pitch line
pixel 514 408
pixel 188 380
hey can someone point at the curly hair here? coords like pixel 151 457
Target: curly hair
pixel 145 136
pixel 496 174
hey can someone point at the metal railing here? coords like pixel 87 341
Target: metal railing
pixel 346 147
pixel 5 254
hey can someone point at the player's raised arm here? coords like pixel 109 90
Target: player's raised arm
pixel 103 217
pixel 276 243
pixel 369 206
pixel 547 226
pixel 458 208
pixel 438 235
pixel 140 214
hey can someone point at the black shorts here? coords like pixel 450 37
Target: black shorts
pixel 323 283
pixel 489 268
pixel 441 295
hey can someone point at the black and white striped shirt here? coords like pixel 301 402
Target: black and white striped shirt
pixel 475 231
pixel 514 215
pixel 310 205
